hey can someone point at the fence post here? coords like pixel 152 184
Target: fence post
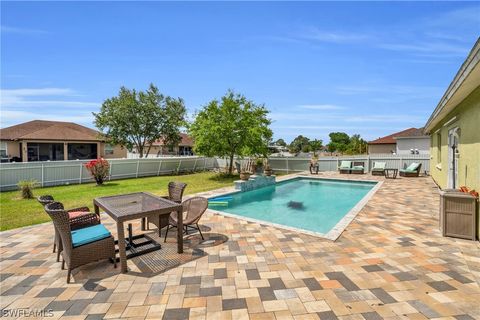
pixel 138 164
pixel 43 174
pixel 110 171
pixel 80 177
pixel 178 167
pixel 204 164
pixel 159 167
pixel 287 164
pixel 195 164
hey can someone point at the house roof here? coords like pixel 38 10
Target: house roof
pixel 186 141
pixel 391 139
pixel 50 130
pixel 465 82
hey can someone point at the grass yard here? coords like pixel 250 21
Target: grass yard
pixel 16 212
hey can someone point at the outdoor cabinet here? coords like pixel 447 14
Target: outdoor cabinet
pixel 458 214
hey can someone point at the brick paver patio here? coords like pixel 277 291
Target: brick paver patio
pixel 390 263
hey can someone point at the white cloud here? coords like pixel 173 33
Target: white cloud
pixel 389 90
pixel 28 97
pixel 9 117
pixel 316 34
pixel 37 92
pixel 320 107
pixel 428 48
pixel 17 30
pixel 391 118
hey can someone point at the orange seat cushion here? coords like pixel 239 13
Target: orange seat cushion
pixel 76 214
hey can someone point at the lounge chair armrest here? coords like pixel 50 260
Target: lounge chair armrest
pixel 82 209
pixel 84 220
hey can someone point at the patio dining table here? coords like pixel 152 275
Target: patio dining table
pixel 132 206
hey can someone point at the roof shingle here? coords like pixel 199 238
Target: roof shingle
pixel 390 139
pixel 186 141
pixel 50 130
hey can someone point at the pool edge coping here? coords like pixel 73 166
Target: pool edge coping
pixel 334 233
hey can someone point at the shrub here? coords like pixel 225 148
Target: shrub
pixel 99 170
pixel 26 188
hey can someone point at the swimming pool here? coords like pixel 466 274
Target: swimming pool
pixel 315 205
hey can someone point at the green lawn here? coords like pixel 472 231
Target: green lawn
pixel 16 212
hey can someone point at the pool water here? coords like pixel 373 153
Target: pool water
pixel 311 204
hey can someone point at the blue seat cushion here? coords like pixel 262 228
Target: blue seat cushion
pixel 89 235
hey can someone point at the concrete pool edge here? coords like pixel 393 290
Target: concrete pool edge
pixel 333 234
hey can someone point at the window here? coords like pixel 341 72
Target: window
pixel 439 147
pixel 82 151
pixel 109 149
pixel 3 149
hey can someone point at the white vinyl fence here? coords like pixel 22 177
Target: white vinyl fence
pixel 291 164
pixel 51 173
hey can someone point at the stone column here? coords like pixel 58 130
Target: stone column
pixel 24 151
pixel 65 151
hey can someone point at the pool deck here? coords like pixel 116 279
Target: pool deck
pixel 391 262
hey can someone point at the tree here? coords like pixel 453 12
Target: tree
pixel 315 145
pixel 281 142
pixel 357 145
pixel 231 126
pixel 331 147
pixel 137 119
pixel 300 143
pixel 338 142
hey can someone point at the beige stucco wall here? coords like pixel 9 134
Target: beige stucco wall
pixel 118 152
pixel 13 149
pixel 468 120
pixel 381 148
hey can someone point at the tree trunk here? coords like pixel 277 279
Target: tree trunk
pixel 148 150
pixel 230 169
pixel 140 151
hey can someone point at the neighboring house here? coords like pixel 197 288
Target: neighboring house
pixel 40 140
pixel 276 148
pixel 184 148
pixel 454 128
pixel 409 141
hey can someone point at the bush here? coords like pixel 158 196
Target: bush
pixel 26 188
pixel 99 169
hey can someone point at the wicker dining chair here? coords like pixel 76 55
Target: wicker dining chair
pixel 175 194
pixel 74 223
pixel 81 246
pixel 193 210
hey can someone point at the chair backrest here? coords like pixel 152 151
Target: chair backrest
pixel 61 221
pixel 379 165
pixel 45 199
pixel 345 164
pixel 414 166
pixel 175 191
pixel 194 207
pixel 359 164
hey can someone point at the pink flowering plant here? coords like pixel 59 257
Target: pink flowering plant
pixel 99 169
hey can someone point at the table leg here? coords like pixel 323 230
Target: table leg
pixel 97 210
pixel 144 224
pixel 179 231
pixel 121 247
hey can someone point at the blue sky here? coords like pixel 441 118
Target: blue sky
pixel 371 68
